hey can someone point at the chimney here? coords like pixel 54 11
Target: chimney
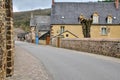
pixel 53 2
pixel 31 15
pixel 117 4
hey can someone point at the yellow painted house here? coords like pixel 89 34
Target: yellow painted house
pixel 105 15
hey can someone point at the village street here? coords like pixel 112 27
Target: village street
pixel 63 64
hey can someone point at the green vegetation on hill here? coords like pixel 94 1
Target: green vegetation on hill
pixel 107 0
pixel 22 19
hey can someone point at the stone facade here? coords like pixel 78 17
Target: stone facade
pixel 6 38
pixel 9 38
pixel 65 17
pixel 108 47
pixel 2 41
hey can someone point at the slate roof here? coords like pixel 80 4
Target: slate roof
pixel 68 12
pixel 22 35
pixel 42 22
pixel 43 36
pixel 43 27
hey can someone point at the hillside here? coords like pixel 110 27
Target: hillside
pixel 22 19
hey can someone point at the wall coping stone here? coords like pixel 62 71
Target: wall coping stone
pixel 93 39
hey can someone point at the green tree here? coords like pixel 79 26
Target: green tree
pixel 105 0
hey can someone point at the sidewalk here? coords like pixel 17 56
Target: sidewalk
pixel 28 67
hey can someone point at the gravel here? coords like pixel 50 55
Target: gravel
pixel 28 67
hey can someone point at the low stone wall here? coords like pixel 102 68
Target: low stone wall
pixel 109 47
pixel 54 42
pixel 42 42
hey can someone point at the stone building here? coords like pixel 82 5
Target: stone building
pixel 105 16
pixel 40 25
pixel 6 38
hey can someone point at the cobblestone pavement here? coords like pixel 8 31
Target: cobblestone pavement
pixel 28 67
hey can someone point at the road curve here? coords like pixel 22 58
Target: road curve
pixel 65 64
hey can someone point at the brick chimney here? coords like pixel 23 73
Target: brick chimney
pixel 117 4
pixel 53 2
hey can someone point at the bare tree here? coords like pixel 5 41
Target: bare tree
pixel 86 25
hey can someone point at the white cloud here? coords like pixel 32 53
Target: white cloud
pixel 24 5
pixel 15 9
pixel 76 0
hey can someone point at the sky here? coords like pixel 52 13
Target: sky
pixel 25 5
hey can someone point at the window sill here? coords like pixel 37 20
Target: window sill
pixel 104 34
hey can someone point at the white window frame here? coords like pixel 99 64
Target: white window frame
pixel 109 20
pixel 62 29
pixel 95 19
pixel 104 30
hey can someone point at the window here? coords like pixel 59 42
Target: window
pixel 95 17
pixel 109 19
pixel 103 31
pixel 62 29
pixel 67 35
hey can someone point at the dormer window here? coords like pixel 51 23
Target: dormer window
pixel 109 19
pixel 95 18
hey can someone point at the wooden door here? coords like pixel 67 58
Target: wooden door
pixel 48 40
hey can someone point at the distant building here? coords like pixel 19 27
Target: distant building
pixel 40 25
pixel 105 15
pixel 21 36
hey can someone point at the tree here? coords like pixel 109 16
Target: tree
pixel 86 25
pixel 106 1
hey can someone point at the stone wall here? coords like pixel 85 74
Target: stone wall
pixel 6 39
pixel 3 56
pixel 9 38
pixel 109 47
pixel 54 42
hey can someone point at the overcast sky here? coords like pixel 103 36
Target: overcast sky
pixel 23 5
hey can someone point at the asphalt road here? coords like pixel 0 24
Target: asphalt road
pixel 65 64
